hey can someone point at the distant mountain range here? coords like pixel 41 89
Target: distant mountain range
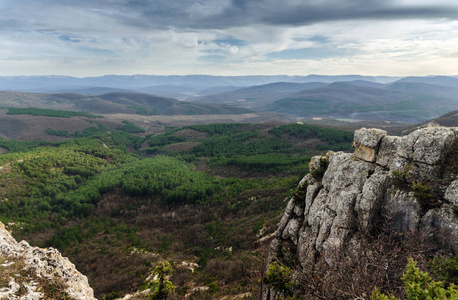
pixel 255 97
pixel 164 83
pixel 409 99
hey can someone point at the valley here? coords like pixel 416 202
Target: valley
pixel 121 181
pixel 394 99
pixel 228 150
pixel 116 203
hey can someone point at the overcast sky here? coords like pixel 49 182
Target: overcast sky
pixel 228 37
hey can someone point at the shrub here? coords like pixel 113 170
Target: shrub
pixel 422 192
pixel 280 278
pixel 63 133
pixel 445 269
pixel 161 287
pixel 131 127
pixel 419 286
pixel 48 112
pixel 318 173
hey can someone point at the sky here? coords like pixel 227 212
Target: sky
pixel 228 37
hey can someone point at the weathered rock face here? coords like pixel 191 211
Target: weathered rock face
pixel 35 273
pixel 410 180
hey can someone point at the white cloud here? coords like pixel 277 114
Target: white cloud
pixel 96 40
pixel 430 3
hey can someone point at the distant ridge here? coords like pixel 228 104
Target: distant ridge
pixel 448 120
pixel 441 80
pixel 358 99
pixel 256 97
pixel 92 91
pixel 135 82
pixel 409 99
pixel 112 103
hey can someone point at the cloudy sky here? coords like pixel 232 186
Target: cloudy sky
pixel 228 37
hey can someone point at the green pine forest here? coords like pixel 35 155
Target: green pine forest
pixel 118 201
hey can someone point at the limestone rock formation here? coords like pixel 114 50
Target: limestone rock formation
pixel 410 180
pixel 28 272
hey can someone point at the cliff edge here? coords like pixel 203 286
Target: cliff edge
pixel 405 185
pixel 28 272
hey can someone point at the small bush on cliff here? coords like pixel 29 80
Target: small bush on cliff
pixel 286 254
pixel 445 269
pixel 300 193
pixel 402 176
pixel 419 286
pixel 423 192
pixel 318 173
pixel 280 278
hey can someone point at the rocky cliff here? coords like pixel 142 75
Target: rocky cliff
pixel 33 273
pixel 408 184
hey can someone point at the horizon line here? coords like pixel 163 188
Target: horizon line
pixel 212 75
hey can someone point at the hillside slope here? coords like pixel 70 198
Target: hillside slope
pixel 347 100
pixel 257 97
pixel 449 120
pixel 403 100
pixel 117 204
pixel 112 103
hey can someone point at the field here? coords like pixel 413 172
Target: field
pixel 28 127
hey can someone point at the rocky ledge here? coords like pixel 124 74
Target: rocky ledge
pixel 409 183
pixel 28 272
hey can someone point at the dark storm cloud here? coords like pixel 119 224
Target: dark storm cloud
pixel 220 14
pixel 199 15
pixel 353 10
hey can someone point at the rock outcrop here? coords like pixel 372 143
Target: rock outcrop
pixel 28 272
pixel 410 181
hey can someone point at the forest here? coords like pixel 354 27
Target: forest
pixel 204 194
pixel 48 112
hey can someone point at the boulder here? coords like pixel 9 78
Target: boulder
pixel 451 194
pixel 41 267
pixel 366 143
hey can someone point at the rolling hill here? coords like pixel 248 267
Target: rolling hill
pixel 359 99
pixel 256 97
pixel 205 196
pixel 450 120
pixel 345 100
pixel 409 99
pixel 440 80
pixel 426 89
pixel 111 103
